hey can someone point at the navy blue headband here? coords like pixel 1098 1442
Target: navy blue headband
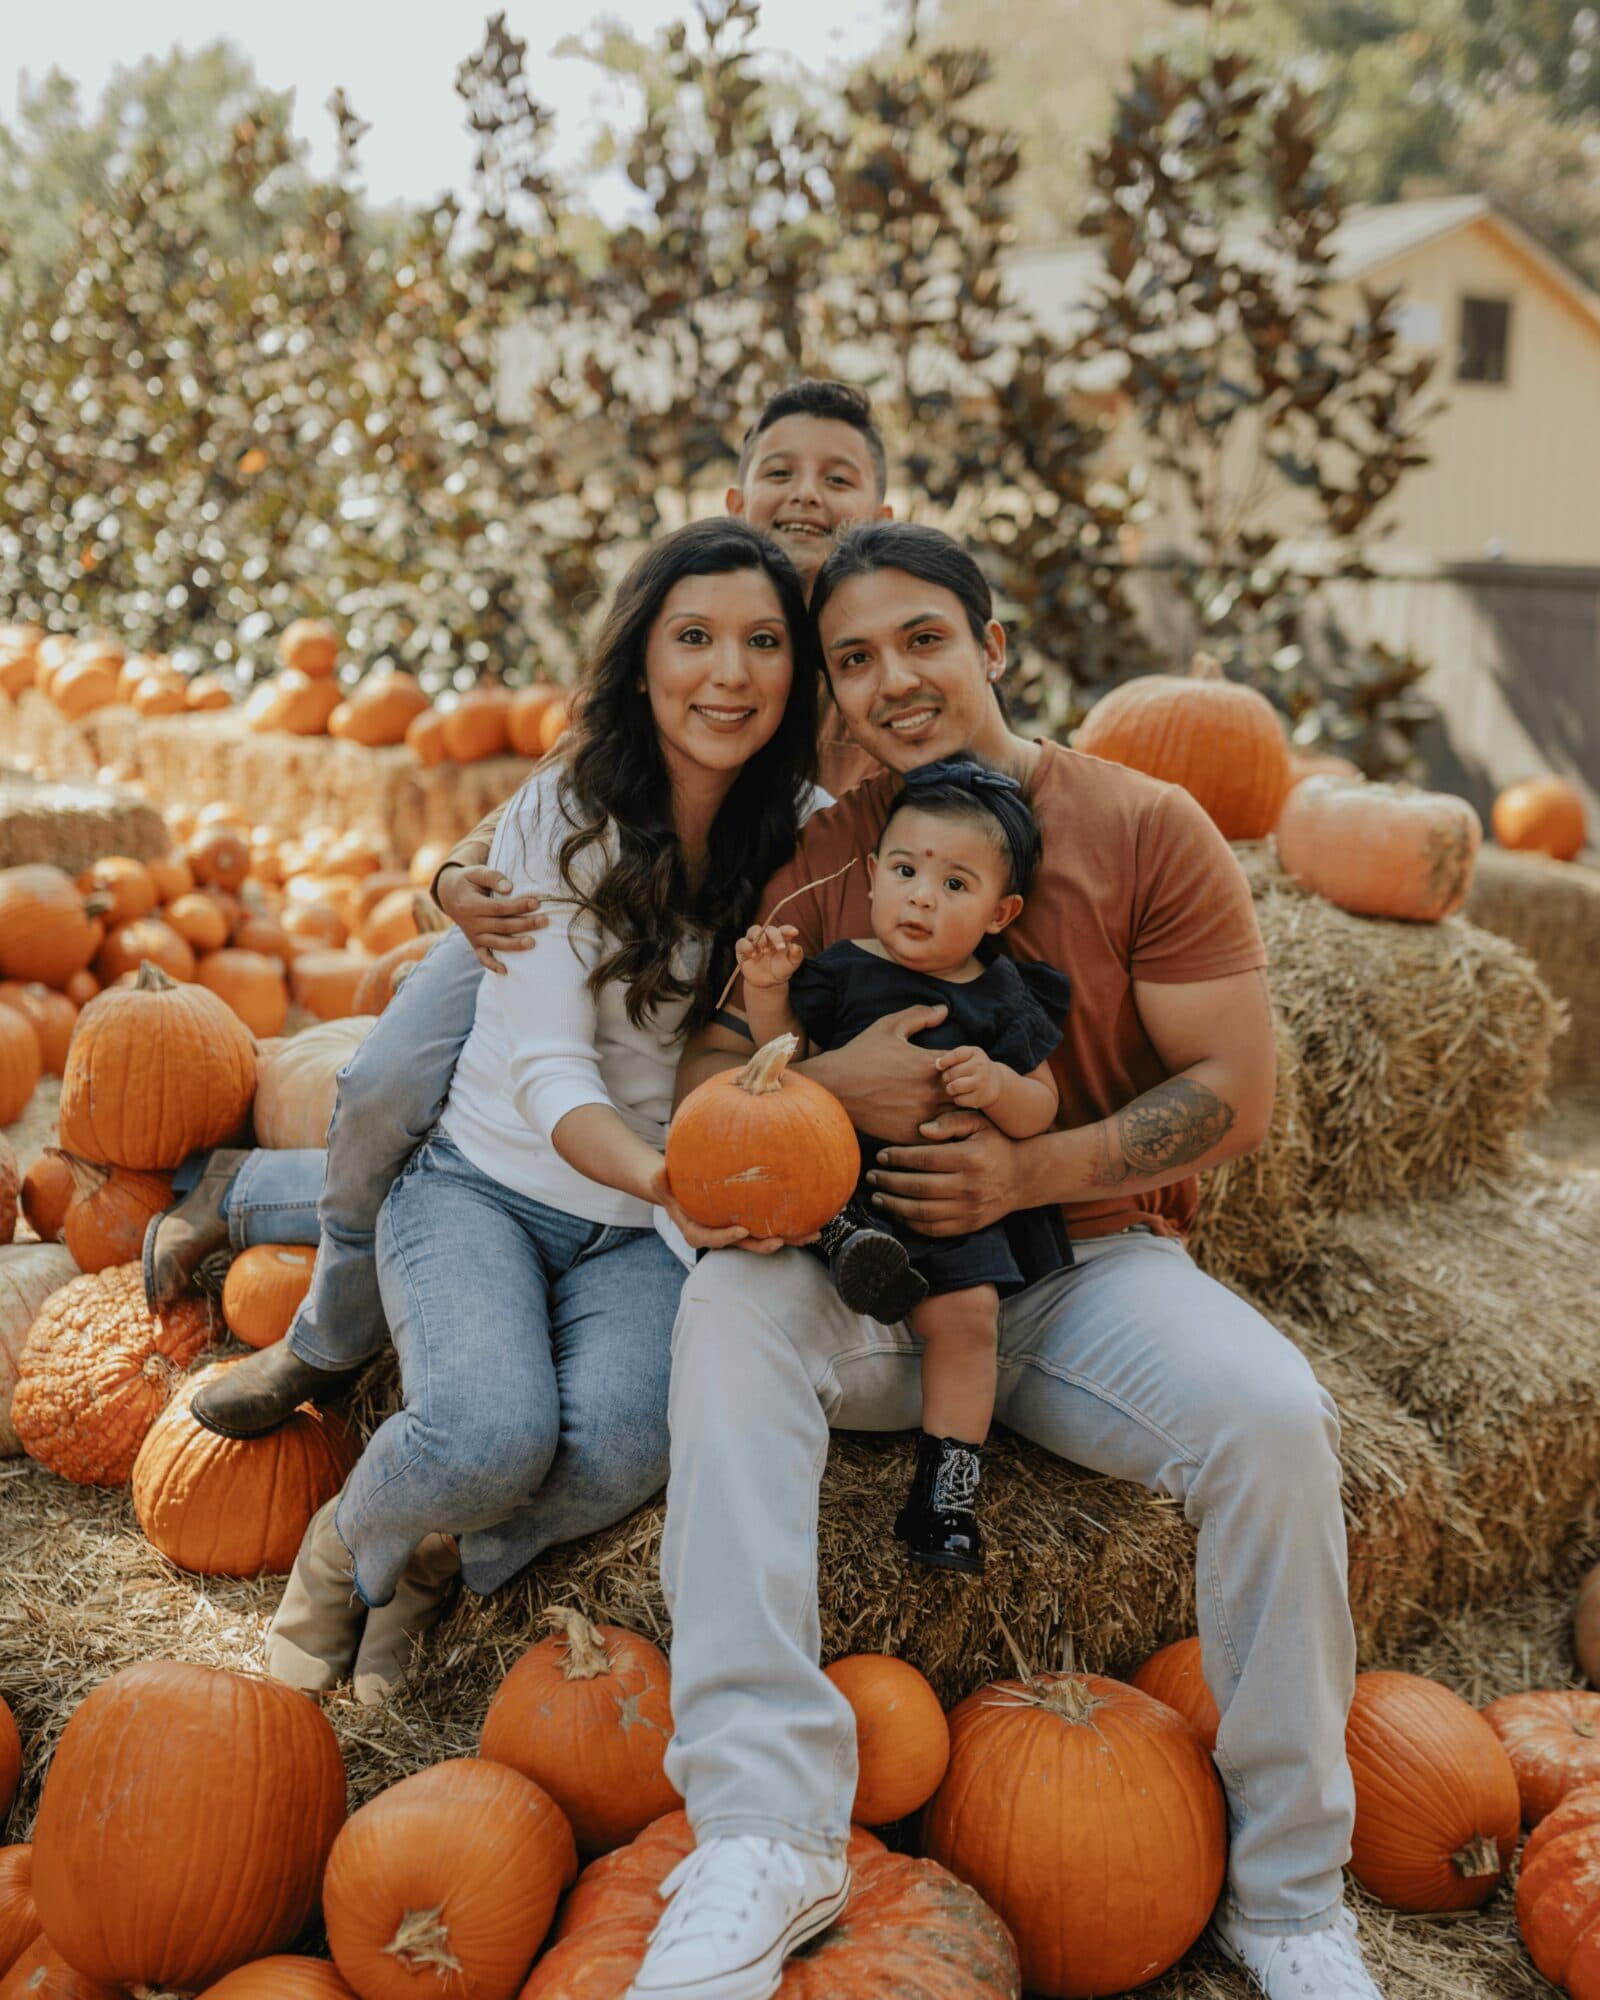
pixel 1001 797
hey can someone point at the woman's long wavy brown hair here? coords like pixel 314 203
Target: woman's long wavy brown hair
pixel 615 782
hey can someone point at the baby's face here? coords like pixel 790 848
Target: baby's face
pixel 938 888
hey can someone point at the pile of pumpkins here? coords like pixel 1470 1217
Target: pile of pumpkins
pixel 1375 850
pixel 1071 1840
pixel 304 698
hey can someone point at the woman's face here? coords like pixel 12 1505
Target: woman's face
pixel 718 664
pixel 910 677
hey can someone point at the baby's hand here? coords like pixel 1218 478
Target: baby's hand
pixel 971 1077
pixel 769 955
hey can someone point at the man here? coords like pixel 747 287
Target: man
pixel 812 463
pixel 1131 1362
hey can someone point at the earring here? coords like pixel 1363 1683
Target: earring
pixel 994 673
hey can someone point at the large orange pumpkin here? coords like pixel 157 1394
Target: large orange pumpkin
pixel 21 1065
pixel 472 1897
pixel 10 1758
pixel 763 1148
pixel 110 1211
pixel 1174 1676
pixel 1436 1797
pixel 47 1190
pixel 1222 741
pixel 1091 1819
pixel 53 1015
pixel 46 930
pixel 130 945
pixel 96 1371
pixel 126 884
pixel 156 1071
pixel 1558 1894
pixel 379 711
pixel 909 1929
pixel 902 1738
pixel 310 646
pixel 282 1979
pixel 41 1973
pixel 264 1288
pixel 19 1919
pixel 235 1506
pixel 252 984
pixel 29 1273
pixel 1541 816
pixel 1552 1737
pixel 588 1716
pixel 172 1781
pixel 1380 850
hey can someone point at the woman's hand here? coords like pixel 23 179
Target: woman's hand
pixel 480 903
pixel 698 1236
pixel 769 955
pixel 971 1076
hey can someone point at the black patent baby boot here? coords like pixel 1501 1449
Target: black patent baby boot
pixel 869 1266
pixel 939 1522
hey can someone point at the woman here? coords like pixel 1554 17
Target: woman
pixel 531 1256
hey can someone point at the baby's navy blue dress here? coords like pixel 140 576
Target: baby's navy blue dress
pixel 1014 1013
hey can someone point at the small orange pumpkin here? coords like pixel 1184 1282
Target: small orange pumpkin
pixel 762 1147
pixel 47 1189
pixel 125 884
pixel 588 1716
pixel 425 737
pixel 525 719
pixel 81 987
pixel 1174 1676
pixel 169 877
pixel 161 694
pixel 208 691
pixel 83 686
pixel 310 646
pixel 477 1896
pixel 263 1290
pixel 1541 816
pixel 325 982
pixel 53 1015
pixel 130 945
pixel 1436 1796
pixel 96 1371
pixel 263 935
pixel 219 857
pixel 251 984
pixel 282 1979
pixel 21 1064
pixel 393 921
pixel 1558 1911
pixel 553 724
pixel 477 726
pixel 199 920
pixel 19 1918
pixel 902 1738
pixel 110 1211
pixel 1552 1737
pixel 1222 741
pixel 304 704
pixel 383 976
pixel 47 931
pixel 429 858
pixel 220 1506
pixel 41 1973
pixel 379 711
pixel 310 924
pixel 1380 850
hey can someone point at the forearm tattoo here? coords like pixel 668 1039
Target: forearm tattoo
pixel 1172 1126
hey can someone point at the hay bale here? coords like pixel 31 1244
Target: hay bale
pixel 1551 910
pixel 33 732
pixel 73 824
pixel 1480 1317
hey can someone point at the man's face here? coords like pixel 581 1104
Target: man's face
pixel 910 678
pixel 808 478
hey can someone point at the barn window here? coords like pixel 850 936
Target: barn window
pixel 1485 331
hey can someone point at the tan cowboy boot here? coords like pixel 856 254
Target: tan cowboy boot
pixel 181 1239
pixel 423 1595
pixel 317 1626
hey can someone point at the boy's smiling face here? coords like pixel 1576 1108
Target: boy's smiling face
pixel 808 478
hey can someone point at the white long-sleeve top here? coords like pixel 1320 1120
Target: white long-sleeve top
pixel 542 1044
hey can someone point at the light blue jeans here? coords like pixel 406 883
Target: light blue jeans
pixel 391 1093
pixel 1133 1363
pixel 535 1350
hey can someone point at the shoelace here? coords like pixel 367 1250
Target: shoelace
pixel 955 1484
pixel 714 1889
pixel 1330 1954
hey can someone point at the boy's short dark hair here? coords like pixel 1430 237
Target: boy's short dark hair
pixel 835 402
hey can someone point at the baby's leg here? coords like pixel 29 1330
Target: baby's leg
pixel 959 1332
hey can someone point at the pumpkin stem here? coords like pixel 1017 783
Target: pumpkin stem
pixel 1582 1728
pixel 587 1657
pixel 1480 1856
pixel 87 1178
pixel 1057 1694
pixel 153 980
pixel 427 916
pixel 764 1071
pixel 1206 667
pixel 423 1939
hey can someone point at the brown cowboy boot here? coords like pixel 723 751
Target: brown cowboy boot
pixel 181 1239
pixel 265 1389
pixel 425 1592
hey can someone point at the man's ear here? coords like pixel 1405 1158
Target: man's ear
pixel 994 650
pixel 1006 911
pixel 733 501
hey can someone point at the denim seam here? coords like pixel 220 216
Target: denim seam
pixel 1284 1927
pixel 1103 1395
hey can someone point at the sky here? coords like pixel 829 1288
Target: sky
pixel 397 60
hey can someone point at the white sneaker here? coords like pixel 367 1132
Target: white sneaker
pixel 740 1905
pixel 1316 1965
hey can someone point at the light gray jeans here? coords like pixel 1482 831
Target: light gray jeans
pixel 1133 1363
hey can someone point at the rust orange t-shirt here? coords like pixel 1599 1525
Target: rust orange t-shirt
pixel 1136 883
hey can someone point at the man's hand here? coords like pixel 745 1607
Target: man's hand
pixel 971 1077
pixel 769 955
pixel 888 1087
pixel 964 1181
pixel 479 902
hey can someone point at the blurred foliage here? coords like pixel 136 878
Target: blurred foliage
pixel 1269 420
